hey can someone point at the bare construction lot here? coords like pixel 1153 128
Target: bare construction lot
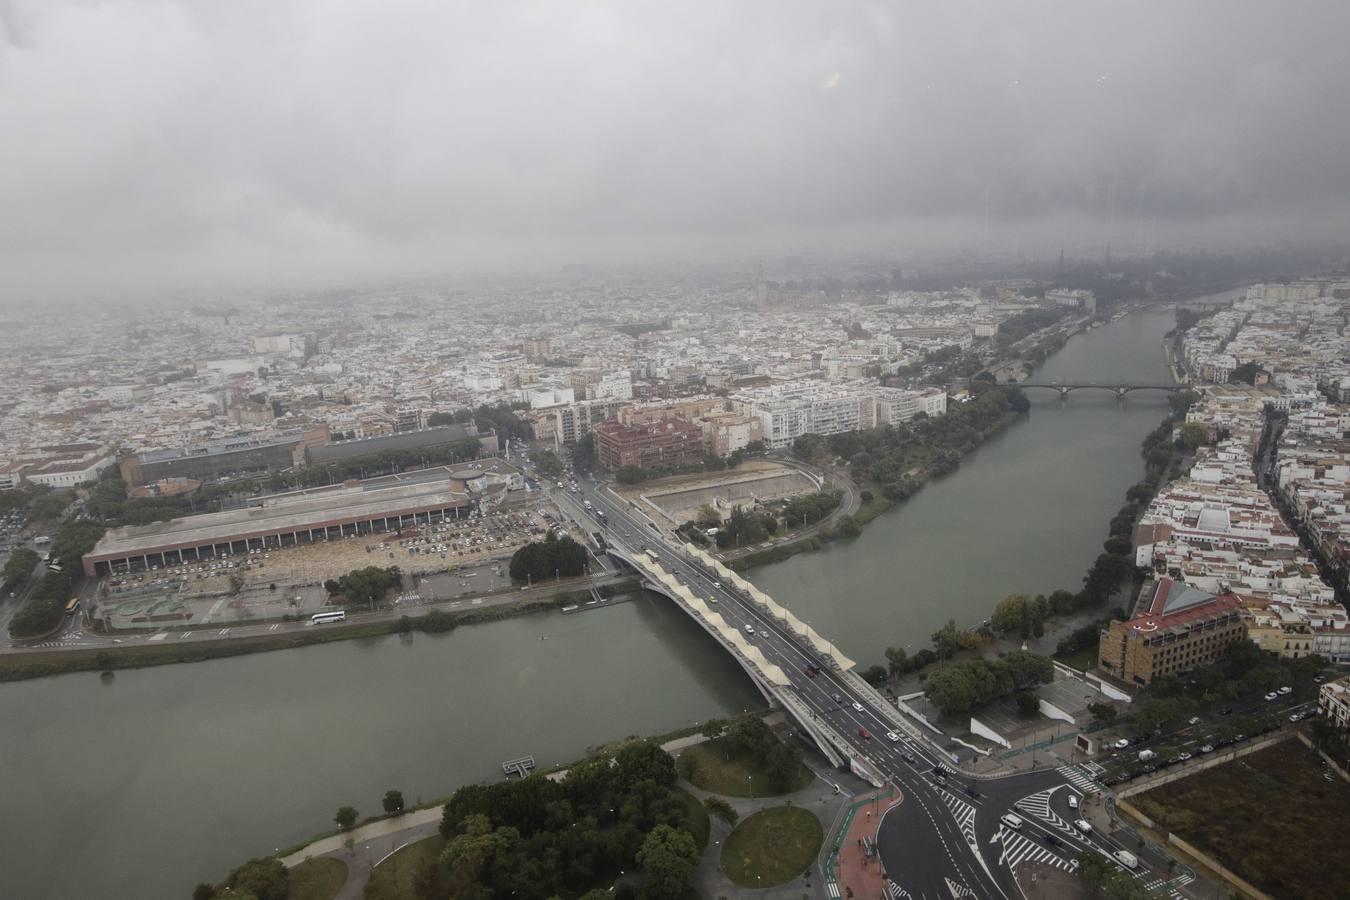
pixel 679 498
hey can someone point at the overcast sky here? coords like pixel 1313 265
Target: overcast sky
pixel 151 146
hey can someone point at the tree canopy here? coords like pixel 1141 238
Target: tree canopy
pixel 968 684
pixel 539 838
pixel 549 558
pixel 366 586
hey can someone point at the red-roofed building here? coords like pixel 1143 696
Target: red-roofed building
pixel 1174 629
pixel 674 442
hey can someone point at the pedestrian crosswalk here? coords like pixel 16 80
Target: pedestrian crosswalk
pixel 1169 887
pixel 1038 805
pixel 1018 849
pixel 896 892
pixel 957 889
pixel 1078 778
pixel 964 814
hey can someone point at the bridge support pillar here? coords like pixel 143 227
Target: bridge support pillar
pixel 1063 393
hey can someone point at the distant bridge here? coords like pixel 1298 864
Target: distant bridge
pixel 1120 390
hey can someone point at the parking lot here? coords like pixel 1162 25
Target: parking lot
pixel 1201 735
pixel 440 561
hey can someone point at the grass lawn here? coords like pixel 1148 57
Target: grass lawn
pixel 699 825
pixel 1081 660
pixel 1271 817
pixel 318 879
pixel 396 878
pixel 772 847
pixel 708 766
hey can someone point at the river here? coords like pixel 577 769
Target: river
pixel 164 777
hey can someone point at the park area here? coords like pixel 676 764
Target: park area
pixel 1272 817
pixel 722 767
pixel 407 872
pixel 317 879
pixel 772 847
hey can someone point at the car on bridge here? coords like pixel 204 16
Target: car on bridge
pixel 892 737
pixel 864 733
pixel 857 706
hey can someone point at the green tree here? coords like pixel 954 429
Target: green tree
pixel 548 464
pixel 346 817
pixel 549 558
pixel 393 802
pixel 897 661
pixel 17 567
pixel 204 891
pixel 874 675
pixel 1194 436
pixel 668 855
pixel 947 640
pixel 720 808
pixel 264 878
pixel 466 855
pixel 1010 614
pixel 1102 713
pixel 366 586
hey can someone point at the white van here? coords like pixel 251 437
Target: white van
pixel 1012 821
pixel 1126 859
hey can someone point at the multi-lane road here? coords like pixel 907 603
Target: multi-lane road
pixel 947 837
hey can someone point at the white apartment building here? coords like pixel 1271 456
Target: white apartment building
pixel 613 386
pixel 1333 703
pixel 788 411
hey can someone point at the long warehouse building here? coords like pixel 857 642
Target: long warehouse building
pixel 285 521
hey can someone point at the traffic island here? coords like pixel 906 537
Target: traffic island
pixel 772 847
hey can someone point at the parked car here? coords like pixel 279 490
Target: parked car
pixel 1193 720
pixel 1272 695
pixel 1121 744
pixel 1286 690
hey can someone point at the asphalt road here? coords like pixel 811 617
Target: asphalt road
pixel 940 842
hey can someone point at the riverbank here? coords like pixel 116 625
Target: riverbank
pixel 18 666
pixel 873 500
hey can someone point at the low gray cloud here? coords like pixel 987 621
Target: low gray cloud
pixel 152 146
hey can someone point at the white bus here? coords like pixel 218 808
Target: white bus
pixel 324 618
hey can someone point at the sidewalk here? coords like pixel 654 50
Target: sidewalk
pixel 382 828
pixel 854 870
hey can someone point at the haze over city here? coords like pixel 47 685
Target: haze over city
pixel 157 147
pixel 640 451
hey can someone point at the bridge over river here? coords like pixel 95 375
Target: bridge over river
pixel 946 837
pixel 1120 389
